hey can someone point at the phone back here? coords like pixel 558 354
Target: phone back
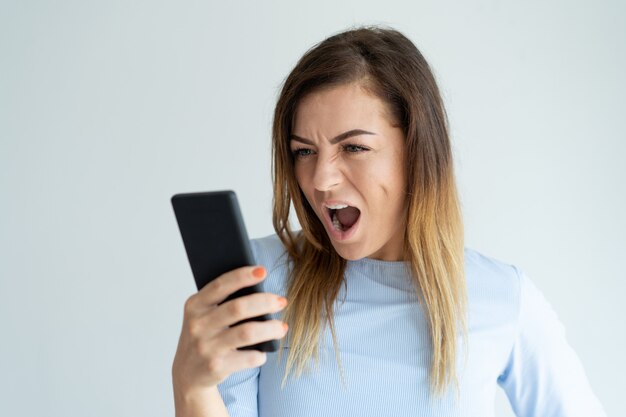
pixel 213 233
pixel 216 242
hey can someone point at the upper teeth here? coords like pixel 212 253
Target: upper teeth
pixel 336 206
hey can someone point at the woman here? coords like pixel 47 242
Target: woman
pixel 388 313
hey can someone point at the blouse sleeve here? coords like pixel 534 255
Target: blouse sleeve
pixel 240 392
pixel 543 376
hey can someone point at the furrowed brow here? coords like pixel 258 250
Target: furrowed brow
pixel 336 139
pixel 299 139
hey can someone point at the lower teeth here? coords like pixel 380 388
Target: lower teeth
pixel 336 223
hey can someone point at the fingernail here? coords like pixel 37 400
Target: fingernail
pixel 282 301
pixel 285 326
pixel 258 272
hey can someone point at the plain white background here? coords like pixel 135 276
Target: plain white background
pixel 109 108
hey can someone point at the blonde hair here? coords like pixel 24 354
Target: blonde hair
pixel 392 68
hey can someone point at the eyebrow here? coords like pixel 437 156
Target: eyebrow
pixel 336 139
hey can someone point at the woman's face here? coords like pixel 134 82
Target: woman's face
pixel 350 164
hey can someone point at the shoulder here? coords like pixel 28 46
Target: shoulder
pixel 493 282
pixel 267 248
pixel 270 252
pixel 481 269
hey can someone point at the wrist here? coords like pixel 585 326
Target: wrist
pixel 197 402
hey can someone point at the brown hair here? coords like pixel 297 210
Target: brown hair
pixel 388 65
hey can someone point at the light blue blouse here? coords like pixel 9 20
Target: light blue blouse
pixel 515 339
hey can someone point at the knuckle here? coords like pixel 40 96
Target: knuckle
pixel 259 359
pixel 214 365
pixel 218 285
pixel 237 307
pixel 195 328
pixel 190 305
pixel 246 332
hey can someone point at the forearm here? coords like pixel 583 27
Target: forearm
pixel 206 403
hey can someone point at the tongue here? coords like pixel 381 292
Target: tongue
pixel 348 216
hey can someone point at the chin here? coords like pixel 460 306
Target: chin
pixel 349 254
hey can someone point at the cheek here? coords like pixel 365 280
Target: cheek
pixel 389 179
pixel 299 174
pixel 397 174
pixel 303 180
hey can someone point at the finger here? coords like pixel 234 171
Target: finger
pixel 221 287
pixel 211 323
pixel 238 360
pixel 250 333
pixel 245 307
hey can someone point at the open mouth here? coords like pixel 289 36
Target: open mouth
pixel 343 216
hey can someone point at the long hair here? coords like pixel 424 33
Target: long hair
pixel 389 66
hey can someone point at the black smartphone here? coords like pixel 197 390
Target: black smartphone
pixel 216 242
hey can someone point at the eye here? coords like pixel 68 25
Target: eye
pixel 301 152
pixel 353 148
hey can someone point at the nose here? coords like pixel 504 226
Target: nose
pixel 327 173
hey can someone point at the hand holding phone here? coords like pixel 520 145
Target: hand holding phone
pixel 208 348
pixel 227 321
pixel 216 242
